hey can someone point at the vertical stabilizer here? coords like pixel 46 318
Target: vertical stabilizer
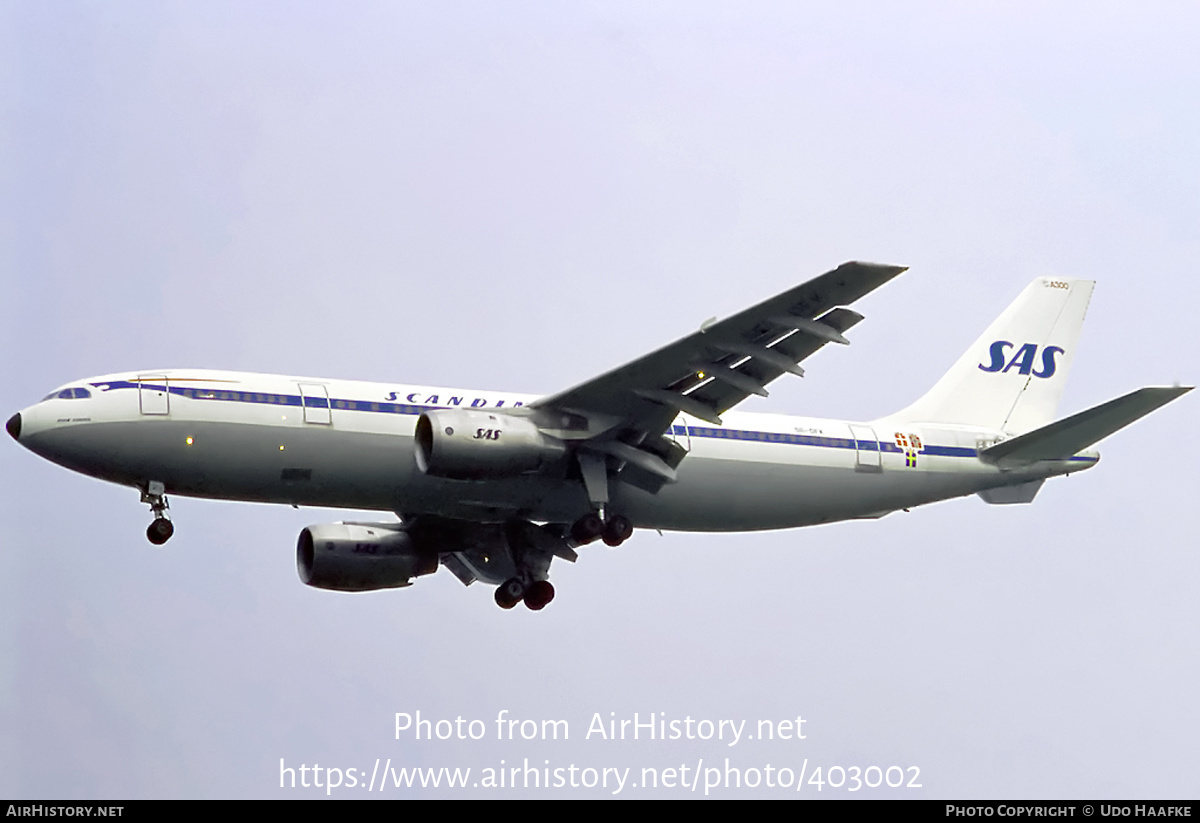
pixel 1012 377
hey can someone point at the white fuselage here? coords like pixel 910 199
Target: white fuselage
pixel 271 438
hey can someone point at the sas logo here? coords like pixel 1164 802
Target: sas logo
pixel 1024 359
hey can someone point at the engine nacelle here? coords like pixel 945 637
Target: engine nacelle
pixel 347 557
pixel 463 444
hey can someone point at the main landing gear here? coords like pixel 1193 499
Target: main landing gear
pixel 161 529
pixel 596 524
pixel 592 527
pixel 537 595
pixel 531 548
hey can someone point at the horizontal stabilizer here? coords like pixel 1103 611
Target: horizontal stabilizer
pixel 1071 435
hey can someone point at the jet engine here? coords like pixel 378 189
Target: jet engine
pixel 462 444
pixel 349 557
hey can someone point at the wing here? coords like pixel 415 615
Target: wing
pixel 714 369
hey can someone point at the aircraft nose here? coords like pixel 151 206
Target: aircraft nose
pixel 14 426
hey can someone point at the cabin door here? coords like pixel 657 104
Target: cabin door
pixel 315 398
pixel 154 396
pixel 866 448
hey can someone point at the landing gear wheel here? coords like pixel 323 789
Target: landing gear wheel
pixel 160 531
pixel 510 592
pixel 617 530
pixel 539 595
pixel 587 528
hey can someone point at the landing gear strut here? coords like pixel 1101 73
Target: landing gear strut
pixel 161 529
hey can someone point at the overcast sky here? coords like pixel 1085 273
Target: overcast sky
pixel 519 196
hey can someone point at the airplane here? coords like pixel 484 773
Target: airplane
pixel 495 485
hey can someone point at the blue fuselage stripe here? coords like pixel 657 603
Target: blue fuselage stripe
pixel 385 407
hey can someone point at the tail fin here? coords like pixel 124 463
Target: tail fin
pixel 1012 377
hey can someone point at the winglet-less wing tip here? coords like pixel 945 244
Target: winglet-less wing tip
pixel 882 268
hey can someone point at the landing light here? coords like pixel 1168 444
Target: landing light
pixel 189 441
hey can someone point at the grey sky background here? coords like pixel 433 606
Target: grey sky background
pixel 518 196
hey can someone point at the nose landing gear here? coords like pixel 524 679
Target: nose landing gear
pixel 161 529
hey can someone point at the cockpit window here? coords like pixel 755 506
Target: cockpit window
pixel 69 394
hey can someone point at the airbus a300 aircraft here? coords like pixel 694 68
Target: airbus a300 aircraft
pixel 493 485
